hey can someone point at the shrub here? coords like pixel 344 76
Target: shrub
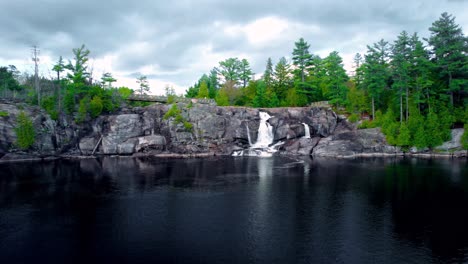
pixel 82 110
pixel 49 104
pixel 172 112
pixel 3 113
pixel 464 138
pixel 95 106
pixel 353 118
pixel 188 126
pixel 24 131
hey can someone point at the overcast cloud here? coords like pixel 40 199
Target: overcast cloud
pixel 175 42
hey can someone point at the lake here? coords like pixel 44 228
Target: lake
pixel 234 210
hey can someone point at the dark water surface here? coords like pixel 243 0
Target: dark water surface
pixel 234 210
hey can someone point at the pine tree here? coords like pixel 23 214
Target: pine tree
pixel 376 72
pixel 335 79
pixel 301 58
pixel 268 74
pixel 404 136
pixel 282 79
pixel 245 72
pixel 400 63
pixel 203 91
pixel 449 47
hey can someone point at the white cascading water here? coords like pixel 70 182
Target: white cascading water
pixel 265 132
pixel 265 138
pixel 307 130
pixel 248 134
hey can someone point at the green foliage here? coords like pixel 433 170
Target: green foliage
pixel 353 118
pixel 82 110
pixel 432 129
pixel 419 137
pixel 171 99
pixel 50 105
pixel 142 81
pixel 203 91
pixel 4 114
pixel 172 112
pixel 188 126
pixel 464 138
pixel 79 69
pixel 95 106
pixel 222 98
pixel 404 137
pixel 367 124
pixel 25 133
pixel 390 127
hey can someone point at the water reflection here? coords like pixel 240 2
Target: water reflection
pixel 235 210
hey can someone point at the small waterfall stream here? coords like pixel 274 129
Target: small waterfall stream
pixel 265 137
pixel 307 130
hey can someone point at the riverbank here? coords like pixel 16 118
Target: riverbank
pixel 206 131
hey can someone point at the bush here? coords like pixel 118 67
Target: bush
pixel 49 104
pixel 95 106
pixel 464 138
pixel 3 113
pixel 24 131
pixel 172 112
pixel 353 118
pixel 188 126
pixel 367 124
pixel 82 110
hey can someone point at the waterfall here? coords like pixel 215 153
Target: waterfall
pixel 307 130
pixel 248 134
pixel 263 146
pixel 265 132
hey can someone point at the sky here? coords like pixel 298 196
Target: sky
pixel 175 42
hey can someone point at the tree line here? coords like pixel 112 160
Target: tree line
pixel 415 88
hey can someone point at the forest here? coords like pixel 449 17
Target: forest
pixel 415 89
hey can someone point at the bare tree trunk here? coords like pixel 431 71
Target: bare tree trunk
pixel 407 105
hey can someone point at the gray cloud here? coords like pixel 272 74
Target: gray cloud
pixel 172 35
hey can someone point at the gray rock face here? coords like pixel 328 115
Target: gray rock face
pixel 455 142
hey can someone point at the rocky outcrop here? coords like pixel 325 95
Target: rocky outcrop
pixel 208 130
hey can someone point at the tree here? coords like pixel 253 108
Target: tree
pixel 143 83
pixel 245 72
pixel 8 80
pixel 282 79
pixel 401 54
pixel 421 73
pixel 335 79
pixel 59 67
pixel 79 69
pixel 107 79
pixel 301 58
pixel 24 131
pixel 260 99
pixel 213 84
pixel 229 69
pixel 268 74
pixel 404 136
pixel 449 48
pixel 203 91
pixel 376 72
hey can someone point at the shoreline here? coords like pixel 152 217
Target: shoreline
pixel 29 158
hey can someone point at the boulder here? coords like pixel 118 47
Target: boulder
pixel 455 142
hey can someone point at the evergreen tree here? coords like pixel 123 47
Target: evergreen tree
pixel 25 135
pixel 268 74
pixel 79 69
pixel 421 73
pixel 203 91
pixel 108 79
pixel 260 99
pixel 376 72
pixel 404 136
pixel 301 58
pixel 358 71
pixel 450 48
pixel 245 72
pixel 142 81
pixel 400 63
pixel 213 84
pixel 432 128
pixel 335 79
pixel 282 79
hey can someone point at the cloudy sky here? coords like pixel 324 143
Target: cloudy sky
pixel 175 42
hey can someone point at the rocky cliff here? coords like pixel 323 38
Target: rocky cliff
pixel 212 131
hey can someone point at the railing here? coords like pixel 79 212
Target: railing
pixel 164 99
pixel 320 104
